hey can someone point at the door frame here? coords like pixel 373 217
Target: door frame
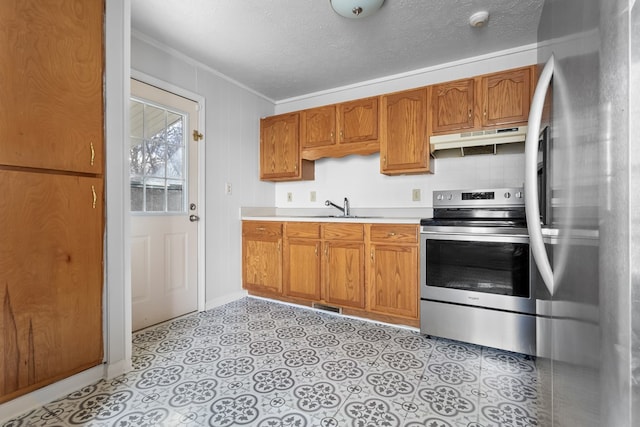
pixel 200 100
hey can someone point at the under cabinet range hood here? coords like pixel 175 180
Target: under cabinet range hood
pixel 479 142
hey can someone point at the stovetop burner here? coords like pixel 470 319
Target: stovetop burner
pixel 500 207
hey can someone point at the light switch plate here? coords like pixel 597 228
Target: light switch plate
pixel 415 195
pixel 312 196
pixel 289 197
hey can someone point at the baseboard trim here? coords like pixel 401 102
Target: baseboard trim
pixel 47 394
pixel 217 302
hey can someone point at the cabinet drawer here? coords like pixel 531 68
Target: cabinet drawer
pixel 261 228
pixel 341 231
pixel 387 233
pixel 303 230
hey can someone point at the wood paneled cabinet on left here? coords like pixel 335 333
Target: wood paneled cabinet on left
pixel 51 209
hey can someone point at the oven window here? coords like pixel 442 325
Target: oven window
pixel 495 268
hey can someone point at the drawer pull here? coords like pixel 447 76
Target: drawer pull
pixel 391 234
pixel 95 197
pixel 261 229
pixel 93 153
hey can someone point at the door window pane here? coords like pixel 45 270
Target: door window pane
pixel 157 157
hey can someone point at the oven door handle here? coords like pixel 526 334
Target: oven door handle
pixel 465 237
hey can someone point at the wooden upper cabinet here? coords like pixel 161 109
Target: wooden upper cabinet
pixel 452 106
pixel 404 144
pixel 506 97
pixel 318 127
pixel 484 102
pixel 358 121
pixel 353 129
pixel 51 100
pixel 280 149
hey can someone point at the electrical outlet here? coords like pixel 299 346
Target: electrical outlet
pixel 227 188
pixel 312 196
pixel 289 197
pixel 415 194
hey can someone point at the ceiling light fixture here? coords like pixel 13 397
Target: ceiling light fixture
pixel 355 8
pixel 479 19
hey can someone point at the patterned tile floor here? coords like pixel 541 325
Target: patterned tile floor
pixel 260 363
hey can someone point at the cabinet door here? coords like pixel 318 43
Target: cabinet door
pixel 506 97
pixel 51 104
pixel 279 147
pixel 404 146
pixel 50 278
pixel 452 106
pixel 302 268
pixel 262 256
pixel 343 275
pixel 358 121
pixel 318 127
pixel 394 280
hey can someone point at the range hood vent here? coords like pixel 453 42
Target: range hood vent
pixel 477 142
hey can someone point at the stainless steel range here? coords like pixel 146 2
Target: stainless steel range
pixel 477 271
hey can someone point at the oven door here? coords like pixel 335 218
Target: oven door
pixel 488 270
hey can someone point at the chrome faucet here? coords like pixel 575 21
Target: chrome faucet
pixel 345 209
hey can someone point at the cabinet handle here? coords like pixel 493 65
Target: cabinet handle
pixel 371 254
pixel 260 229
pixel 384 160
pixel 278 246
pixel 95 197
pixel 326 251
pixel 93 153
pixel 485 113
pixel 332 135
pixel 341 134
pixel 391 234
pixel 316 250
pixel 470 112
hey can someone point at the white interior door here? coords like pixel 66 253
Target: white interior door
pixel 164 212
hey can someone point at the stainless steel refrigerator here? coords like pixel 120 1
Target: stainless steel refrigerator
pixel 587 249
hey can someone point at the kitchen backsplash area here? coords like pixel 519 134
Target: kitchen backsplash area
pixel 358 178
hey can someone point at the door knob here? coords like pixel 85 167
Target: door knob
pixel 194 218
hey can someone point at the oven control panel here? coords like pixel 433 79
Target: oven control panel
pixel 510 196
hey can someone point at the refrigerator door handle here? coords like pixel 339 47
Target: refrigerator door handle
pixel 532 209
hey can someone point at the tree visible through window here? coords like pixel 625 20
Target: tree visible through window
pixel 157 159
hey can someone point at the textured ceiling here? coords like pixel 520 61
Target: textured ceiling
pixel 288 48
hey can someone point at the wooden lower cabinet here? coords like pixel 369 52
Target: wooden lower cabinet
pixel 302 260
pixel 343 269
pixel 50 278
pixel 262 256
pixel 327 263
pixel 393 270
pixel 343 274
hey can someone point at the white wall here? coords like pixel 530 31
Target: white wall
pixel 358 177
pixel 232 155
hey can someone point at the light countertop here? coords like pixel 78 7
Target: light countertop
pixel 358 215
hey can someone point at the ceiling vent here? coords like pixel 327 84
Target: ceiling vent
pixel 477 142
